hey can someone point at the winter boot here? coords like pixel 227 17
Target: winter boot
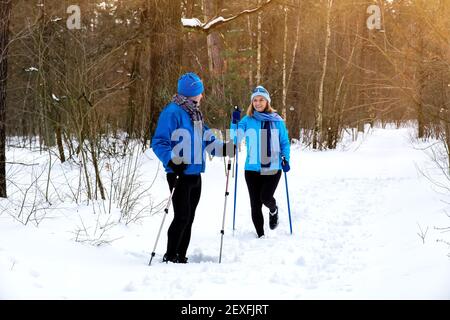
pixel 182 260
pixel 273 219
pixel 169 258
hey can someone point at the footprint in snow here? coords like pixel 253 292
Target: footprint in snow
pixel 129 287
pixel 301 262
pixel 34 273
pixel 198 257
pixel 136 254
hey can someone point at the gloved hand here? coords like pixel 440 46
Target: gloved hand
pixel 229 149
pixel 177 168
pixel 236 117
pixel 285 165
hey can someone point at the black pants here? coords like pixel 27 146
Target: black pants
pixel 185 200
pixel 261 189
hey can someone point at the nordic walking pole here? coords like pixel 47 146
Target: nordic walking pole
pixel 224 161
pixel 166 212
pixel 233 172
pixel 235 188
pixel 287 196
pixel 236 170
pixel 224 210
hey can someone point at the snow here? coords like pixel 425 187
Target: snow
pixel 356 215
pixel 214 21
pixel 193 22
pixel 31 69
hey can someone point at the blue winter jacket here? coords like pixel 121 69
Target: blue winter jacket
pixel 166 146
pixel 250 128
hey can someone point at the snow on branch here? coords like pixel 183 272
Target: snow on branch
pixel 195 23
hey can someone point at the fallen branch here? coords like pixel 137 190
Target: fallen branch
pixel 23 164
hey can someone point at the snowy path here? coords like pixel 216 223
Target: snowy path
pixel 356 215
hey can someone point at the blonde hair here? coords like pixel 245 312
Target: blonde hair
pixel 268 109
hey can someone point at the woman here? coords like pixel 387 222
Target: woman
pixel 268 152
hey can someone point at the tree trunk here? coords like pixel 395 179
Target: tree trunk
pixel 259 48
pixel 5 15
pixel 98 178
pixel 214 45
pixel 318 126
pixel 250 67
pixel 420 80
pixel 59 141
pixel 133 90
pixel 283 103
pixel 362 94
pixel 292 121
pixel 166 49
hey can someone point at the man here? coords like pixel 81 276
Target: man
pixel 184 159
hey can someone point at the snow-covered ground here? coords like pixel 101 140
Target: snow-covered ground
pixel 356 215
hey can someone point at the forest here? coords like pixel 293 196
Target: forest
pixel 77 78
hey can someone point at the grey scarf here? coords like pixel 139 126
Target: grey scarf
pixel 189 106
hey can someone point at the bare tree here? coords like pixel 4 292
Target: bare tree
pixel 318 127
pixel 214 44
pixel 5 14
pixel 259 48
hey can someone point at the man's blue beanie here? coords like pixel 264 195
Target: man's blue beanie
pixel 190 85
pixel 261 91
